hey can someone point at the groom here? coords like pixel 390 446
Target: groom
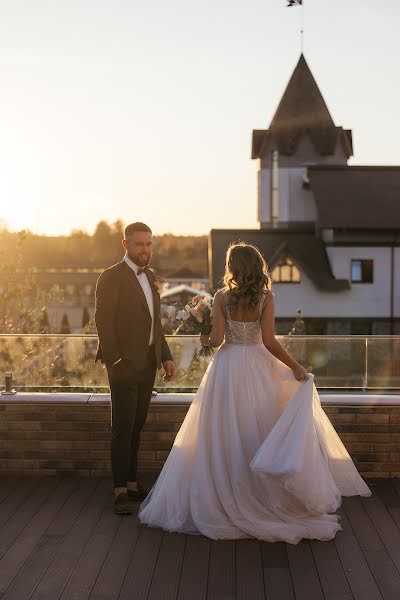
pixel 132 346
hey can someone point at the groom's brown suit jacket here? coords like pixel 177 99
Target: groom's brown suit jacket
pixel 123 318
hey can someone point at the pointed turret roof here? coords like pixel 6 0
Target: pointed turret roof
pixel 302 105
pixel 302 110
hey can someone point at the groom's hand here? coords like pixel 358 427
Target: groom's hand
pixel 169 369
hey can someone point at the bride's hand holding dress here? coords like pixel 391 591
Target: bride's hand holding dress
pixel 300 373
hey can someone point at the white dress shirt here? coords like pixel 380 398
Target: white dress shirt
pixel 144 282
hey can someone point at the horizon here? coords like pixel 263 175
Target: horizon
pixel 103 104
pixel 4 227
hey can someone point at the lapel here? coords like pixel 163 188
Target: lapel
pixel 137 287
pixel 152 284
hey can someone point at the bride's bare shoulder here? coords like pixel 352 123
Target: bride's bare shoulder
pixel 220 294
pixel 267 297
pixel 220 299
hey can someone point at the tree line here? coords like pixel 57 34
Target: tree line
pixel 22 300
pixel 103 248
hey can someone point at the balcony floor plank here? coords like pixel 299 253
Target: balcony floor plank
pixel 39 560
pixel 379 561
pixel 61 539
pixel 8 484
pixel 61 568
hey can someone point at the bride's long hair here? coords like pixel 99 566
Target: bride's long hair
pixel 246 275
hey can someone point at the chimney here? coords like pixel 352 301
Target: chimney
pixel 275 188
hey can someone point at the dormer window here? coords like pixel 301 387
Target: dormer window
pixel 285 272
pixel 362 271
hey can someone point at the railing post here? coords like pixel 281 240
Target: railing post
pixel 366 364
pixel 8 383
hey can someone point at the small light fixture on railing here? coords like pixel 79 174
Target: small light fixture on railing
pixel 8 383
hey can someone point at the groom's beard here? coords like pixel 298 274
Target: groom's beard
pixel 142 259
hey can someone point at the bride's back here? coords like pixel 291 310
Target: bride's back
pixel 240 311
pixel 243 326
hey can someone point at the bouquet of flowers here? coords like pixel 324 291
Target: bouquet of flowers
pixel 197 315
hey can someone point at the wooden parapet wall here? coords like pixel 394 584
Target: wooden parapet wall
pixel 63 434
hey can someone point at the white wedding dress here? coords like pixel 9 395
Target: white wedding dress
pixel 256 456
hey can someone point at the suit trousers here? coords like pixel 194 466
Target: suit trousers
pixel 130 398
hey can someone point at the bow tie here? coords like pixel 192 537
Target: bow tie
pixel 140 270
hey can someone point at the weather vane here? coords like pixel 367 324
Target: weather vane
pixel 299 3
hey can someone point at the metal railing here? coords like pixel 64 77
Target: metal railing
pixel 66 362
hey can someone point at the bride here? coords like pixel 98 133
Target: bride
pixel 256 456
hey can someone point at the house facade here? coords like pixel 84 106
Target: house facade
pixel 330 232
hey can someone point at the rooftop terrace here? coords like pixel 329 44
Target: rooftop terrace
pixel 61 539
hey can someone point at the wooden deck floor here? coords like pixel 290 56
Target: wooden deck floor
pixel 59 538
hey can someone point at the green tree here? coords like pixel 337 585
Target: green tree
pixel 44 324
pixel 103 248
pixel 85 317
pixel 298 348
pixel 78 249
pixel 100 241
pixel 65 327
pixel 299 327
pixel 21 299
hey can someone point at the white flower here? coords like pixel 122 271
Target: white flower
pixel 183 315
pixel 170 312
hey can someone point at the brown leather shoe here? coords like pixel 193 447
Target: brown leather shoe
pixel 139 494
pixel 122 506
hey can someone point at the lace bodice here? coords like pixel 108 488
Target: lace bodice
pixel 243 333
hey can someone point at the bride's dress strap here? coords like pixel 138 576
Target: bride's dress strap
pixel 228 313
pixel 262 299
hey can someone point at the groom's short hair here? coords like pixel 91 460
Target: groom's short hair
pixel 132 227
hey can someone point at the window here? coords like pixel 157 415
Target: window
pixel 362 271
pixel 286 272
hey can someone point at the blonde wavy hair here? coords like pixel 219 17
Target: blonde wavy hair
pixel 246 275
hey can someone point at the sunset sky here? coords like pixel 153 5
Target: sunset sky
pixel 143 110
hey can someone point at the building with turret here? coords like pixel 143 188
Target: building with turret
pixel 330 232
